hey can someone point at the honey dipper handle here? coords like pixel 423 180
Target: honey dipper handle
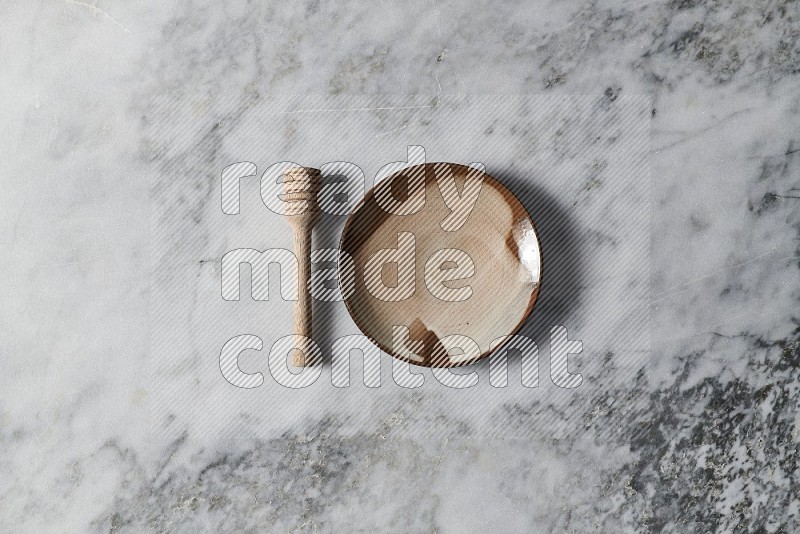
pixel 302 310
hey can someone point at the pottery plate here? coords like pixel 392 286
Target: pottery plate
pixel 436 283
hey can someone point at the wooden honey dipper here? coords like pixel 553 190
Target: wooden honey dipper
pixel 302 184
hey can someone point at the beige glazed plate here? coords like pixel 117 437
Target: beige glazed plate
pixel 436 283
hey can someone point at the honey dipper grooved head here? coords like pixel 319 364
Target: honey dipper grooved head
pixel 301 183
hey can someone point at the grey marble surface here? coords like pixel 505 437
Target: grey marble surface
pixel 700 434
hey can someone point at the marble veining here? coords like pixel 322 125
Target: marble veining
pixel 700 434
